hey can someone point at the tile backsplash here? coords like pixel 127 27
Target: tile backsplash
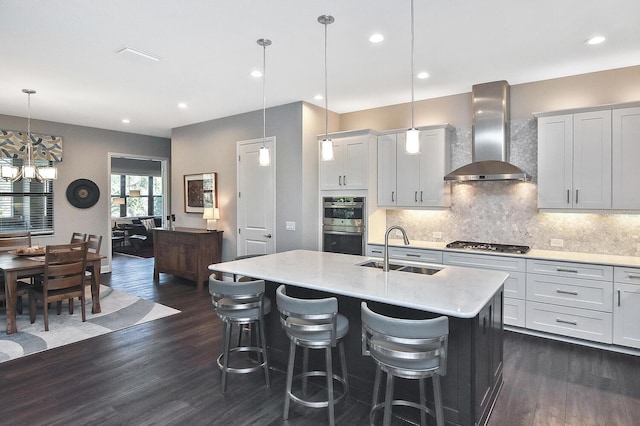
pixel 506 212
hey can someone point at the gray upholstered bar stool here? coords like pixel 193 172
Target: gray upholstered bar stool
pixel 313 324
pixel 410 349
pixel 241 303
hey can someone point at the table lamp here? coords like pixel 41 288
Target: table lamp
pixel 211 214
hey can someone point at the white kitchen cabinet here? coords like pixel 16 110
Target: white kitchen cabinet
pixel 574 160
pixel 349 168
pixel 406 253
pixel 626 158
pixel 626 307
pixel 514 286
pixel 387 196
pixel 570 299
pixel 419 178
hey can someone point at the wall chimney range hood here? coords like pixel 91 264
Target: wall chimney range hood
pixel 490 139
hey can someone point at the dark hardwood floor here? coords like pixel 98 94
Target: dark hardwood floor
pixel 164 372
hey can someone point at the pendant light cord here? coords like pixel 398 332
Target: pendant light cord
pixel 326 91
pixel 264 97
pixel 412 59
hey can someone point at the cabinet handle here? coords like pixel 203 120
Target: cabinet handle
pixel 573 293
pixel 344 180
pixel 566 322
pixel 634 276
pixel 376 251
pixel 412 255
pixel 416 196
pixel 568 195
pixel 618 297
pixel 573 271
pixel 393 193
pixel 576 196
pixel 421 195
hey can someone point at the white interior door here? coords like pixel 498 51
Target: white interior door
pixel 256 199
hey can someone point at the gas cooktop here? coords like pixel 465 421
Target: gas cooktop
pixel 499 248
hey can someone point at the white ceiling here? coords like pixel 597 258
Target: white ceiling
pixel 66 50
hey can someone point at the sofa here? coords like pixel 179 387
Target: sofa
pixel 139 229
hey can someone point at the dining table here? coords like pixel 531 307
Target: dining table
pixel 15 266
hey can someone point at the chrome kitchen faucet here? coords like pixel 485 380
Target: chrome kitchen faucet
pixel 385 266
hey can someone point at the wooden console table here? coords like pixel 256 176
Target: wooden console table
pixel 186 252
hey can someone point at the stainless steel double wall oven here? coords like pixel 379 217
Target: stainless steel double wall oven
pixel 344 224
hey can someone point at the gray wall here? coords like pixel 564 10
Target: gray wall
pixel 85 155
pixel 211 147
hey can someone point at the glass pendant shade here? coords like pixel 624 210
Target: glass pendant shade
pixel 48 173
pixel 413 141
pixel 29 172
pixel 327 149
pixel 263 156
pixel 9 172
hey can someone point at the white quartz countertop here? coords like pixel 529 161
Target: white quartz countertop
pixel 453 291
pixel 566 256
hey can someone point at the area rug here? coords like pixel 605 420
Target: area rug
pixel 119 310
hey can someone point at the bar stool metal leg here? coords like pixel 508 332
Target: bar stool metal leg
pixel 287 398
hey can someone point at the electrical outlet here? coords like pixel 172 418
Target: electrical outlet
pixel 437 235
pixel 290 226
pixel 557 242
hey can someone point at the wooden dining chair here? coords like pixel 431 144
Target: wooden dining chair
pixel 63 278
pixel 14 240
pixel 78 237
pixel 93 246
pixel 11 241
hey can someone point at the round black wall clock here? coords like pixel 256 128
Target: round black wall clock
pixel 83 193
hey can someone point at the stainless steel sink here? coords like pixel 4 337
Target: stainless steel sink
pixel 419 270
pixel 379 265
pixel 423 270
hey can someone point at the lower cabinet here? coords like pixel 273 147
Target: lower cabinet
pixel 571 299
pixel 514 287
pixel 186 252
pixel 626 307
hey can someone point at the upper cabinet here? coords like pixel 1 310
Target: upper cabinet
pixel 626 154
pixel 414 180
pixel 574 160
pixel 349 168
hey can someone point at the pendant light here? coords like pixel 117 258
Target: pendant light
pixel 412 145
pixel 326 144
pixel 28 170
pixel 264 157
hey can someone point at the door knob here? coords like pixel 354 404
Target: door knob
pixel 267 235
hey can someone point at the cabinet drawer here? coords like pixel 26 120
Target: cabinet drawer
pixel 573 322
pixel 514 312
pixel 375 250
pixel 575 292
pixel 415 255
pixel 516 285
pixel 570 269
pixel 501 263
pixel 627 275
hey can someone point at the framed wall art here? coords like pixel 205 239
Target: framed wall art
pixel 200 191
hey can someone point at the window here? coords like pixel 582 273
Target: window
pixel 125 200
pixel 26 205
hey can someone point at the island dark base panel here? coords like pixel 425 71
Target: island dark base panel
pixel 475 356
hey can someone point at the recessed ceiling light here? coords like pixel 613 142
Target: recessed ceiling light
pixel 376 38
pixel 126 121
pixel 318 97
pixel 423 75
pixel 595 40
pixel 256 74
pixel 182 105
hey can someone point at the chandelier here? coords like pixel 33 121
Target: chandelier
pixel 28 170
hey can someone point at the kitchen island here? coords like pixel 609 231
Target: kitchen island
pixel 471 298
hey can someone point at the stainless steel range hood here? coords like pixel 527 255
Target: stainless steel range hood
pixel 490 140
